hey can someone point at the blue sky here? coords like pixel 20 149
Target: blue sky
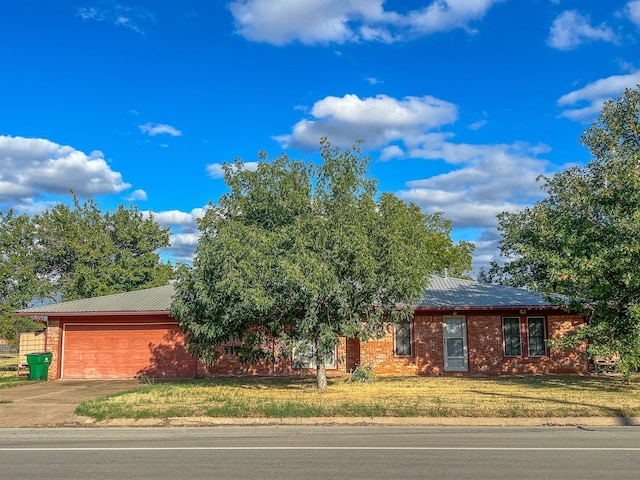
pixel 461 104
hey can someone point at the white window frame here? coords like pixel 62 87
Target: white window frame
pixel 465 348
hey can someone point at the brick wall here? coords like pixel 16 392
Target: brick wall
pixel 53 345
pixel 484 345
pixel 228 364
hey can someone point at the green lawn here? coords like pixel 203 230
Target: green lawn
pixel 508 396
pixel 10 379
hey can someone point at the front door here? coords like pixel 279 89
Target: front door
pixel 455 344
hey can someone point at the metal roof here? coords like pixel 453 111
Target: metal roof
pixel 149 300
pixel 443 292
pixel 446 292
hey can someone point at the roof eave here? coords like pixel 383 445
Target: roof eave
pixel 91 314
pixel 423 308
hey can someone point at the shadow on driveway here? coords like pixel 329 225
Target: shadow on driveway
pixel 51 404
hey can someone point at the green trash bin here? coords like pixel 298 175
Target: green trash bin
pixel 39 365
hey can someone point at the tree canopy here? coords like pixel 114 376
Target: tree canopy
pixel 583 240
pixel 76 251
pixel 305 254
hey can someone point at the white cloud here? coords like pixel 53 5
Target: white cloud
pixel 183 246
pixel 172 218
pixel 489 179
pixel 184 232
pixel 485 179
pixel 215 169
pixel 341 21
pixel 137 195
pixel 587 101
pixel 632 10
pixel 570 29
pixel 33 167
pixel 134 18
pixel 377 120
pixel 159 129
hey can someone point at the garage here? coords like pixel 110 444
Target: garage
pixel 124 350
pixel 124 335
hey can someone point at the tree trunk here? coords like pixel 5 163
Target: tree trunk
pixel 321 369
pixel 321 375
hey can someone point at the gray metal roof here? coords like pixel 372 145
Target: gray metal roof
pixel 446 292
pixel 442 293
pixel 157 300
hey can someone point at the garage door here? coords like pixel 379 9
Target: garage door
pixel 125 351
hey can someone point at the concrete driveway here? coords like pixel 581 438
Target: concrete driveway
pixel 51 404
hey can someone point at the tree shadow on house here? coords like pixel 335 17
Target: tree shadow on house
pixel 169 359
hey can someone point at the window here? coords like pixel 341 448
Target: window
pixel 402 341
pixel 536 337
pixel 304 357
pixel 511 335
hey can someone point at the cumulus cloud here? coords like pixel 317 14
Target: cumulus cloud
pixel 489 179
pixel 183 232
pixel 485 179
pixel 587 102
pixel 153 129
pixel 215 170
pixel 33 167
pixel 343 21
pixel 571 29
pixel 377 120
pixel 121 15
pixel 183 246
pixel 173 218
pixel 137 195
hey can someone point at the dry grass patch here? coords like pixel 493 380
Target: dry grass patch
pixel 514 396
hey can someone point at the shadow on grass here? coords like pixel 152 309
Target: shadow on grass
pixel 624 419
pixel 595 383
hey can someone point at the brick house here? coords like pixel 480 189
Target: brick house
pixel 467 327
pixel 459 327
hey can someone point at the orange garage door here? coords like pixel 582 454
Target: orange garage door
pixel 125 351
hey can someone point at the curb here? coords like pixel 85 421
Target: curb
pixel 371 421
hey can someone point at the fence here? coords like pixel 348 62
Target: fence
pixel 29 343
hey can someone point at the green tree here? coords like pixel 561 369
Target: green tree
pixel 76 251
pixel 85 252
pixel 583 240
pixel 302 254
pixel 18 281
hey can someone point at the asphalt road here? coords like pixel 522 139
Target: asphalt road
pixel 316 452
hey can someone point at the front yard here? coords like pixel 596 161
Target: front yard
pixel 508 396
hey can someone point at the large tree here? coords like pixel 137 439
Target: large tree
pixel 583 240
pixel 76 251
pixel 18 281
pixel 86 252
pixel 305 254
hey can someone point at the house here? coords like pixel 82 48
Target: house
pixel 459 327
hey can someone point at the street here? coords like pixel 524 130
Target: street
pixel 318 452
